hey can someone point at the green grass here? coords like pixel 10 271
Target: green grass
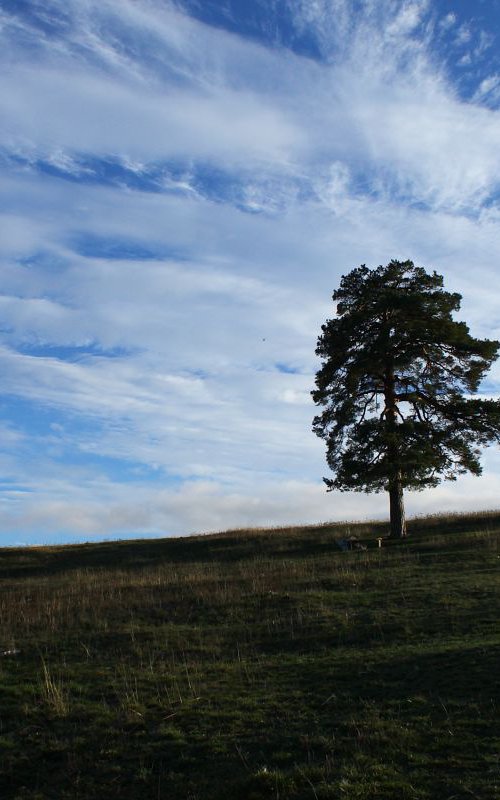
pixel 254 664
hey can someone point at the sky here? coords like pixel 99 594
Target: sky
pixel 183 185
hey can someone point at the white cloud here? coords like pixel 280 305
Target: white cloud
pixel 407 19
pixel 448 21
pixel 488 89
pixel 464 34
pixel 79 111
pixel 105 509
pixel 381 102
pixel 365 156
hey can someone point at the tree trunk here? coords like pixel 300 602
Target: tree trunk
pixel 397 509
pixel 395 487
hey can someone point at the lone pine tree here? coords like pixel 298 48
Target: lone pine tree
pixel 396 382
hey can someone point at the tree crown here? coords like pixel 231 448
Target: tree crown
pixel 396 381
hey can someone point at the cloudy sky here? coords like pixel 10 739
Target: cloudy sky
pixel 183 184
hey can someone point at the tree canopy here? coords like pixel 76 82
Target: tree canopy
pixel 396 385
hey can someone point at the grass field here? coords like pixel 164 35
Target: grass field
pixel 254 664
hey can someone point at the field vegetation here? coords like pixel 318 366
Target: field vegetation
pixel 254 664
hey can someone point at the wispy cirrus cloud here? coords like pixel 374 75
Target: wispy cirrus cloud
pixel 180 197
pixel 241 103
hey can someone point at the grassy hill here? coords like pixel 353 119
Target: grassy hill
pixel 254 664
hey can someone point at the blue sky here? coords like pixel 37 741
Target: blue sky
pixel 183 184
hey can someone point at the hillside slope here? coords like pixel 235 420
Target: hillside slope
pixel 254 664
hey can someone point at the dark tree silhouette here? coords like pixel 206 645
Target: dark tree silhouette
pixel 395 385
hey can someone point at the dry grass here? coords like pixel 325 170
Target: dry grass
pixel 265 661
